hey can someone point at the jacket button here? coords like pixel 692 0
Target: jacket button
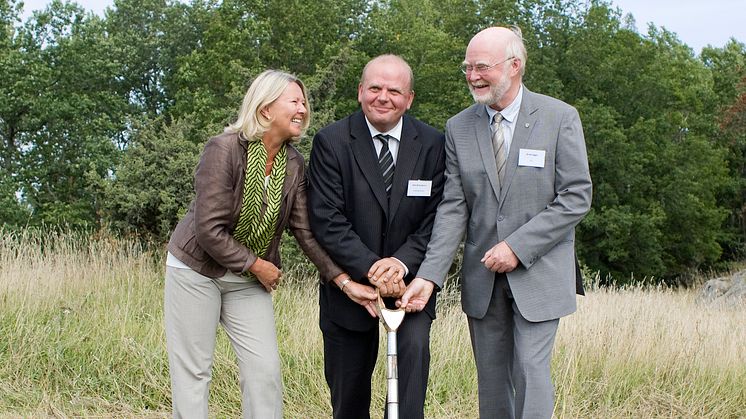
pixel 500 218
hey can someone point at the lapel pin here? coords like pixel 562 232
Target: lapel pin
pixel 526 125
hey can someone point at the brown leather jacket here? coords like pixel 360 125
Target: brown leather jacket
pixel 203 239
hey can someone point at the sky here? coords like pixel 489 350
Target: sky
pixel 697 23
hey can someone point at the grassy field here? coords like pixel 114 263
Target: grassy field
pixel 81 335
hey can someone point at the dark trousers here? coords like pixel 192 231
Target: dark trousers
pixel 350 357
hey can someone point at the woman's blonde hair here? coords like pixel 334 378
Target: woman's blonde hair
pixel 264 90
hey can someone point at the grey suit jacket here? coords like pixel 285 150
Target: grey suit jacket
pixel 535 212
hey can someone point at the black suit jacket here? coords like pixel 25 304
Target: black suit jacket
pixel 351 216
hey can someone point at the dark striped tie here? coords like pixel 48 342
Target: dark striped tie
pixel 386 162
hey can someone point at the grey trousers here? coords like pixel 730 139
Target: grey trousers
pixel 513 357
pixel 194 305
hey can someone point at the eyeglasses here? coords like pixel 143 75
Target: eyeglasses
pixel 481 68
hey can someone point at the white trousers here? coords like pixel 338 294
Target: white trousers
pixel 194 305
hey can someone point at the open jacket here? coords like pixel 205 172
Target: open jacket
pixel 203 239
pixel 353 219
pixel 535 211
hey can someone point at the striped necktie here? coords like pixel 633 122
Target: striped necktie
pixel 386 162
pixel 498 146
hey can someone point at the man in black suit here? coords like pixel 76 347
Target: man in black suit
pixel 375 181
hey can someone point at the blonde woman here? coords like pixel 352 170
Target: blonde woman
pixel 223 258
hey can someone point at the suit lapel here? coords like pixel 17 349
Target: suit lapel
pixel 484 141
pixel 524 125
pixel 406 160
pixel 365 156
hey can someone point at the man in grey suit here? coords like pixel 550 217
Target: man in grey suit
pixel 517 183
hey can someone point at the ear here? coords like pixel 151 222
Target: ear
pixel 411 99
pixel 360 93
pixel 516 65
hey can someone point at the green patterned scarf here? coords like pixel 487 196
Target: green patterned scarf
pixel 254 229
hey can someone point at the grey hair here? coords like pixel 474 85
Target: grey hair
pixel 516 48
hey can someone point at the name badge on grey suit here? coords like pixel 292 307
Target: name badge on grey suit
pixel 531 158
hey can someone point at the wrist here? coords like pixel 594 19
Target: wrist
pixel 343 283
pixel 426 283
pixel 255 266
pixel 403 265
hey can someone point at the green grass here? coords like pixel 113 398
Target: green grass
pixel 81 334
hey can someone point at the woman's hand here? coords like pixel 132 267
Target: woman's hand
pixel 267 273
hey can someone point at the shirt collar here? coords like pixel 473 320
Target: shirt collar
pixel 393 132
pixel 510 113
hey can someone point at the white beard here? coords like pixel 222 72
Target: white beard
pixel 497 91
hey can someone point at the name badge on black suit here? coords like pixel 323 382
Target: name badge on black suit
pixel 419 187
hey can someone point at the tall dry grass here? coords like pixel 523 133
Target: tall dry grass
pixel 651 352
pixel 81 335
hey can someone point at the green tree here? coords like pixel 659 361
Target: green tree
pixel 310 36
pixel 622 233
pixel 60 113
pixel 154 181
pixel 146 39
pixel 733 137
pixel 728 68
pixel 12 112
pixel 211 80
pixel 647 106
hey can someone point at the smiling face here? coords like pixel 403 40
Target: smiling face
pixel 488 88
pixel 287 113
pixel 498 85
pixel 385 92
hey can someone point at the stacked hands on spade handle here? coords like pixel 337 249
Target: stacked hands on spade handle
pixel 387 275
